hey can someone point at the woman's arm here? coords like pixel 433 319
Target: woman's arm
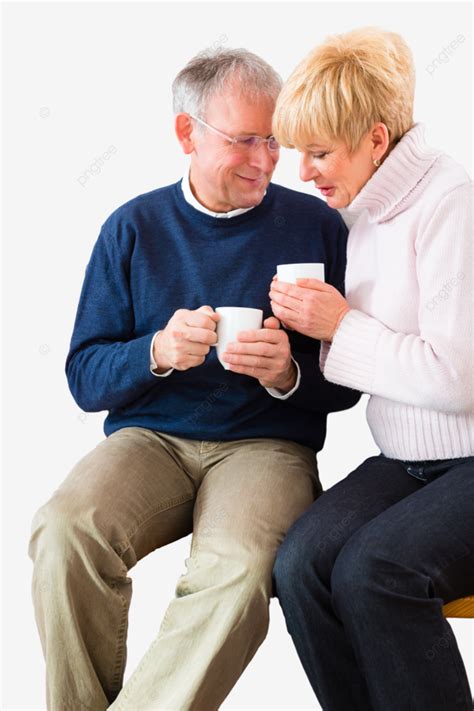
pixel 433 370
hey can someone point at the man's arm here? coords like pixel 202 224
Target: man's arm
pixel 107 365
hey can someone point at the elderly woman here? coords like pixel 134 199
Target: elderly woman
pixel 363 575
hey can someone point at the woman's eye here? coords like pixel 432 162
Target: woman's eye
pixel 319 155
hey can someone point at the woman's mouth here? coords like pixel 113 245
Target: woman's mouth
pixel 327 190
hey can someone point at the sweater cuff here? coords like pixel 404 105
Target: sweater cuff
pixel 323 354
pixel 274 392
pixel 350 359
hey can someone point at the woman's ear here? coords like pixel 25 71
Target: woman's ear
pixel 184 132
pixel 380 141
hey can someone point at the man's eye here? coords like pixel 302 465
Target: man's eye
pixel 247 142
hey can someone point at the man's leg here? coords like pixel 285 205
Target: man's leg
pixel 252 492
pixel 121 501
pixel 303 571
pixel 389 584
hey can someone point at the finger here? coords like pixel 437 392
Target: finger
pixel 259 348
pixel 247 361
pixel 261 335
pixel 285 315
pixel 315 284
pixel 195 335
pixel 197 349
pixel 284 287
pixel 271 322
pixel 201 319
pixel 209 310
pixel 285 300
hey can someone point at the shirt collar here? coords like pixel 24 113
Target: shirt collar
pixel 189 197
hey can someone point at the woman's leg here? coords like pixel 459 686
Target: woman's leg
pixel 389 584
pixel 303 570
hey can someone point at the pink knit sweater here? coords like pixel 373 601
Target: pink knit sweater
pixel 408 338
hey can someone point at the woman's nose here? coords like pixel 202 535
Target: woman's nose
pixel 307 169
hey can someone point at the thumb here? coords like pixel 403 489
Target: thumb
pixel 271 322
pixel 208 310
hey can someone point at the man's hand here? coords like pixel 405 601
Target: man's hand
pixel 264 354
pixel 186 340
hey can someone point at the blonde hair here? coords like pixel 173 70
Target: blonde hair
pixel 345 86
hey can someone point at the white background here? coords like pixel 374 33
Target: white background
pixel 79 78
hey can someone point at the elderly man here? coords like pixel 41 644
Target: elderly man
pixel 228 455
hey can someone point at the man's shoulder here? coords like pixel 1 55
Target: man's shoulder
pixel 141 207
pixel 304 204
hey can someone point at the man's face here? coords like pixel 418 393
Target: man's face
pixel 223 176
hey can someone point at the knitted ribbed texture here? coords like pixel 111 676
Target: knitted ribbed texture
pixel 408 339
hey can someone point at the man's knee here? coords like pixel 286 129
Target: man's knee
pixel 61 530
pixel 241 572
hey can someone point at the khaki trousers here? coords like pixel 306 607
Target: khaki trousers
pixel 139 490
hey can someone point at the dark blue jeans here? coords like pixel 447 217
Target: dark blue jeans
pixel 362 577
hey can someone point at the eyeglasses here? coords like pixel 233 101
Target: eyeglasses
pixel 243 143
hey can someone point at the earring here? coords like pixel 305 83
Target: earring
pixel 377 162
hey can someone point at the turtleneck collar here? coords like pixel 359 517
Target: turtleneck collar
pixel 390 188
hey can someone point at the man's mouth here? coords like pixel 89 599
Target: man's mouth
pixel 251 181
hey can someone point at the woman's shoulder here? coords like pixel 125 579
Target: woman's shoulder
pixel 447 174
pixel 446 185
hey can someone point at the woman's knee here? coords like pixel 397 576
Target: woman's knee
pixel 362 567
pixel 303 556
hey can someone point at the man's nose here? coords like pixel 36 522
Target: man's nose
pixel 263 158
pixel 307 169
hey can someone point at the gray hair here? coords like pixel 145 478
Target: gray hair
pixel 211 71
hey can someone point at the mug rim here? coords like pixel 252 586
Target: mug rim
pixel 237 308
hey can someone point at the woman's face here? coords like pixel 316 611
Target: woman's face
pixel 335 171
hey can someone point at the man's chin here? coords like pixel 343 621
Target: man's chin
pixel 251 199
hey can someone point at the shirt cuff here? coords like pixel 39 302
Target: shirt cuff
pixel 152 361
pixel 274 392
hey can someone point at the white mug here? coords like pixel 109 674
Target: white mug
pixel 232 320
pixel 291 272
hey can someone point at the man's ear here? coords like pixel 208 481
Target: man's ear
pixel 184 132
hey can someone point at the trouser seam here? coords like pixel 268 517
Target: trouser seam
pixel 120 646
pixel 123 545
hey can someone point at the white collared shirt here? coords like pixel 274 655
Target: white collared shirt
pixel 192 200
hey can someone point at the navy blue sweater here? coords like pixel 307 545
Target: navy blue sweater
pixel 156 254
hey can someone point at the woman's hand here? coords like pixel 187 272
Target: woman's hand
pixel 312 307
